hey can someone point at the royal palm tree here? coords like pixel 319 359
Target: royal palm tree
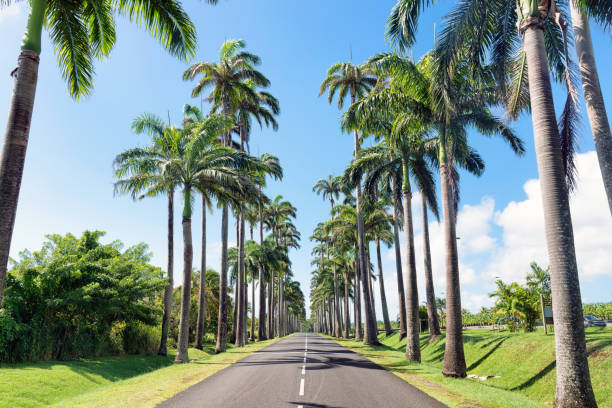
pixel 539 22
pixel 593 97
pixel 231 80
pixel 331 188
pixel 81 31
pixel 418 99
pixel 356 81
pixel 136 177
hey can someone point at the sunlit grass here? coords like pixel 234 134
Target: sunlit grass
pixel 127 381
pixel 523 361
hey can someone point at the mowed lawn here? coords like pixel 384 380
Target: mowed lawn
pixel 127 381
pixel 524 362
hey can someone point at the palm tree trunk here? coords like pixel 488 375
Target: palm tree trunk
pixel 15 143
pixel 252 338
pixel 413 347
pixel 596 108
pixel 222 321
pixel 573 379
pixel 202 297
pixel 261 335
pixel 347 321
pixel 454 357
pixel 383 296
pixel 232 338
pixel 371 288
pixel 183 338
pixel 432 315
pixel 357 297
pixel 239 322
pixel 398 267
pixel 271 333
pixel 163 344
pixel 338 332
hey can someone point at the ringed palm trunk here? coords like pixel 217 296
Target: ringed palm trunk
pixel 163 344
pixel 183 337
pixel 383 296
pixel 369 336
pixel 596 108
pixel 573 378
pixel 337 316
pixel 271 306
pixel 253 307
pixel 202 297
pixel 357 297
pixel 398 267
pixel 239 322
pixel 413 349
pixel 454 357
pixel 347 321
pixel 15 143
pixel 222 321
pixel 371 288
pixel 432 315
pixel 261 334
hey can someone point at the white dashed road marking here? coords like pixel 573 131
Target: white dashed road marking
pixel 302 387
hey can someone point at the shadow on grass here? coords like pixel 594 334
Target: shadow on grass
pixel 487 354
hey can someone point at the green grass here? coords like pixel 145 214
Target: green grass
pixel 525 363
pixel 126 381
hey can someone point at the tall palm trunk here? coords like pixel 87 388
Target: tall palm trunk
pixel 15 143
pixel 454 357
pixel 271 306
pixel 432 315
pixel 357 297
pixel 240 303
pixel 252 337
pixel 261 334
pixel 383 296
pixel 596 108
pixel 202 297
pixel 163 344
pixel 347 321
pixel 337 316
pixel 222 321
pixel 573 379
pixel 371 287
pixel 398 264
pixel 183 338
pixel 413 349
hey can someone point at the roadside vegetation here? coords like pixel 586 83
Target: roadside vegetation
pixel 524 363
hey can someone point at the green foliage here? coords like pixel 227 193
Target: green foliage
pixel 601 310
pixel 78 297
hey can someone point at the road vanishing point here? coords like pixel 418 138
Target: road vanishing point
pixel 303 371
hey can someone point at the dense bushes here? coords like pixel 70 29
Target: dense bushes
pixel 78 297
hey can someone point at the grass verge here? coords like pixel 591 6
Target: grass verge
pixel 524 362
pixel 126 381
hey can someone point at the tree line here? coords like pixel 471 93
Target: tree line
pixel 421 116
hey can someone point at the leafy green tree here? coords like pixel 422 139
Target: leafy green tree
pixel 81 31
pixel 77 297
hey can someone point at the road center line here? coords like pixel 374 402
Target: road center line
pixel 302 387
pixel 304 370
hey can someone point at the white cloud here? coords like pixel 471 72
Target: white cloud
pixel 484 257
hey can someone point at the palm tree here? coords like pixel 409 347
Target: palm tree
pixel 539 22
pixel 232 79
pixel 80 32
pixel 331 187
pixel 418 99
pixel 355 80
pixel 135 176
pixel 596 109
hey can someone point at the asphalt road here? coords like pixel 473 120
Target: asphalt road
pixel 303 371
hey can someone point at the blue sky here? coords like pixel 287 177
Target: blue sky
pixel 67 185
